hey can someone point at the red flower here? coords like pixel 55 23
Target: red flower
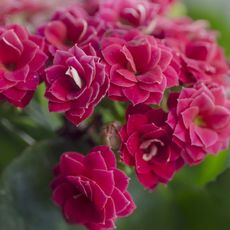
pixel 204 60
pixel 179 31
pixel 129 13
pixel 140 68
pixel 147 145
pixel 21 60
pixel 76 82
pixel 197 47
pixel 67 28
pixel 163 4
pixel 91 190
pixel 200 118
pixel 91 6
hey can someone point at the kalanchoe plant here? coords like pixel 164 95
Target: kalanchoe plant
pixel 91 190
pixel 170 75
pixel 22 59
pixel 200 118
pixel 76 82
pixel 147 144
pixel 66 28
pixel 139 68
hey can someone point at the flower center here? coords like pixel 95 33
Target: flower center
pixel 69 42
pixel 131 69
pixel 199 121
pixel 72 72
pixel 10 66
pixel 150 148
pixel 129 16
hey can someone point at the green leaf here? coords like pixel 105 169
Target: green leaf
pixel 111 110
pixel 25 193
pixel 203 208
pixel 154 210
pixel 181 205
pixel 34 122
pixel 213 166
pixel 200 175
pixel 219 191
pixel 39 115
pixel 11 146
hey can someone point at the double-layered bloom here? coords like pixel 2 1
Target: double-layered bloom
pixel 140 68
pixel 21 60
pixel 204 60
pixel 147 144
pixel 90 189
pixel 200 118
pixel 67 28
pixel 163 4
pixel 196 46
pixel 129 13
pixel 179 31
pixel 76 83
pixel 91 6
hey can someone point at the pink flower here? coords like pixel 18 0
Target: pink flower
pixel 90 189
pixel 67 28
pixel 140 68
pixel 101 28
pixel 196 46
pixel 204 60
pixel 179 31
pixel 200 118
pixel 21 60
pixel 129 13
pixel 147 145
pixel 163 4
pixel 76 83
pixel 91 6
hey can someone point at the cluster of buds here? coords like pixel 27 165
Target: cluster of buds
pixel 170 71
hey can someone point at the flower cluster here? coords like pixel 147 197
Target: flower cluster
pixel 171 73
pixel 200 57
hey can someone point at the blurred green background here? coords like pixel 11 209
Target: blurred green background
pixel 197 199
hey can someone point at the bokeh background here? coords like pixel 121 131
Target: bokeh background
pixel 197 199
